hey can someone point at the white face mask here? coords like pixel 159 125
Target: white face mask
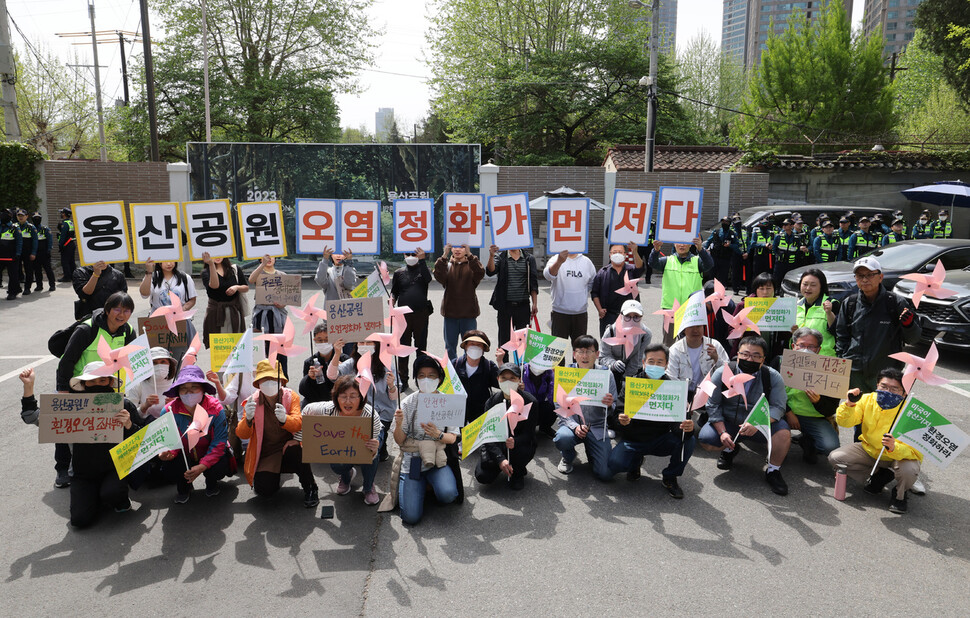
pixel 365 349
pixel 474 352
pixel 507 386
pixel 322 348
pixel 427 385
pixel 161 371
pixel 270 388
pixel 536 370
pixel 190 400
pixel 617 258
pixel 943 217
pixel 411 260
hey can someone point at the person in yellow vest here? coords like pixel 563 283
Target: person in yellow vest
pixel 941 228
pixel 682 275
pixel 896 235
pixel 816 310
pixel 828 246
pixel 784 250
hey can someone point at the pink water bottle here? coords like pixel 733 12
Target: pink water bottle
pixel 840 481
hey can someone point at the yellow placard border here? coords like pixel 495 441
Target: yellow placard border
pixel 188 233
pixel 80 237
pixel 178 229
pixel 242 228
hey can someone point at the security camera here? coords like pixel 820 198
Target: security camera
pixel 645 81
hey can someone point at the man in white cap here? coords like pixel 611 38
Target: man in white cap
pixel 614 357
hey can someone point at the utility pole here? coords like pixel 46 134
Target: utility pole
pixel 124 68
pixel 97 83
pixel 205 75
pixel 8 77
pixel 652 92
pixel 149 79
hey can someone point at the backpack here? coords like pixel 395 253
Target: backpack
pixel 58 341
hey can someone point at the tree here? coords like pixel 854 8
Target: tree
pixel 708 76
pixel 817 83
pixel 360 135
pixel 943 21
pixel 274 68
pixel 547 81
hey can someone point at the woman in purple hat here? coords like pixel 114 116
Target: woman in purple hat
pixel 210 455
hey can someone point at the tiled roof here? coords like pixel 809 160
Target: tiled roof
pixel 900 160
pixel 674 158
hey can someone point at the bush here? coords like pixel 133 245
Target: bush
pixel 18 168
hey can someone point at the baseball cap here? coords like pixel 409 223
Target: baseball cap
pixel 869 263
pixel 827 223
pixel 631 306
pixel 897 222
pixel 511 367
pixel 843 220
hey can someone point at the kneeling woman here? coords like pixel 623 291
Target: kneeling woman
pixel 210 457
pixel 272 417
pixel 426 457
pixel 512 456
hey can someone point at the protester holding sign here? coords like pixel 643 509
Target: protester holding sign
pixel 682 275
pixel 271 423
pixel 763 286
pixel 268 319
pixel 571 275
pixel 694 356
pixel 95 478
pixel 315 385
pixel 612 278
pixel 637 438
pixel 148 395
pixel 727 414
pixel 93 284
pixel 875 413
pixel 426 457
pixel 459 272
pixel 82 347
pixel 512 456
pixel 225 284
pixel 620 360
pixel 815 309
pixel 537 380
pixel 516 294
pixel 335 274
pixel 163 279
pixel 409 288
pixel 477 374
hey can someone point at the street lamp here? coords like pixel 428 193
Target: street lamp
pixel 651 81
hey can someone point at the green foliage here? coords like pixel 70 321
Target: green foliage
pixel 20 176
pixel 945 23
pixel 709 76
pixel 817 83
pixel 547 82
pixel 928 108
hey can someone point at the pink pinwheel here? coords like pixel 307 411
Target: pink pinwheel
pixel 395 318
pixel 740 322
pixel 517 340
pixel 920 368
pixel 569 406
pixel 192 354
pixel 735 384
pixel 668 314
pixel 310 314
pixel 626 336
pixel 718 298
pixel 518 410
pixel 173 313
pixel 364 376
pixel 629 286
pixel 391 347
pixel 704 391
pixel 198 427
pixel 931 285
pixel 385 276
pixel 115 360
pixel 282 343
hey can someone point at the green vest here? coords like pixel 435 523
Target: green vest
pixel 788 251
pixel 680 280
pixel 90 354
pixel 941 229
pixel 893 237
pixel 799 403
pixel 862 244
pixel 814 317
pixel 829 249
pixel 7 234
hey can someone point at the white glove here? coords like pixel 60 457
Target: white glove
pixel 250 409
pixel 280 413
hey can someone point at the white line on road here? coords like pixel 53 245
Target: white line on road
pixel 961 391
pixel 16 372
pixel 18 357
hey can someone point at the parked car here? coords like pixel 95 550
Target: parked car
pixel 897 259
pixel 946 320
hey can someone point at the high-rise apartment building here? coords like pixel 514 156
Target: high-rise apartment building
pixel 383 120
pixel 894 18
pixel 668 26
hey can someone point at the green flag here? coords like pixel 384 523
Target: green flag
pixel 927 431
pixel 760 418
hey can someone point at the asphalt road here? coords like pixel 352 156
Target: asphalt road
pixel 563 546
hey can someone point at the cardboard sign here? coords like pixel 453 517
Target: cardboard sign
pixel 370 287
pixel 359 226
pixel 160 336
pixel 208 226
pixel 316 225
pixel 930 433
pixel 278 288
pixel 464 219
pixel 102 232
pixel 157 232
pixel 442 410
pixel 510 220
pixel 261 229
pixel 142 367
pixel 577 382
pixel 656 400
pixel 630 217
pixel 337 439
pixel 413 222
pixel 567 225
pixel 679 214
pixel 544 350
pixel 159 436
pixel 826 375
pixel 489 427
pixel 354 319
pixel 772 313
pixel 80 418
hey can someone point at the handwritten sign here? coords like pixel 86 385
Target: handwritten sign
pixel 140 361
pixel 80 418
pixel 772 313
pixel 826 375
pixel 370 287
pixel 278 288
pixel 577 382
pixel 489 427
pixel 354 319
pixel 160 336
pixel 337 439
pixel 656 400
pixel 442 410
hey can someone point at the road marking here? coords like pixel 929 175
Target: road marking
pixel 957 389
pixel 36 363
pixel 18 357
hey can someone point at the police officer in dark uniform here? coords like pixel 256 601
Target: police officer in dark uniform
pixel 861 242
pixel 879 227
pixel 66 245
pixel 816 231
pixel 941 227
pixel 899 215
pixel 784 251
pixel 11 243
pixel 922 228
pixel 740 257
pixel 804 244
pixel 759 251
pixel 828 246
pixel 722 245
pixel 42 264
pixel 845 230
pixel 28 254
pixel 896 235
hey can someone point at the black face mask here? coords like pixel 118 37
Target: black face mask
pixel 99 389
pixel 36 220
pixel 748 366
pixel 725 225
pixel 5 217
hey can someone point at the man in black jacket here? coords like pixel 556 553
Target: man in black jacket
pixel 409 288
pixel 516 293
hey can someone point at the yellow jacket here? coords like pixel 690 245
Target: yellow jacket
pixel 875 423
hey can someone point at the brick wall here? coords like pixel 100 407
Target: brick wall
pixel 535 180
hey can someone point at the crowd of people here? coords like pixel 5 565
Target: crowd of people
pixel 257 417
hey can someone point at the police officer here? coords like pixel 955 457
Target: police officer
pixel 899 215
pixel 804 244
pixel 923 227
pixel 759 250
pixel 896 235
pixel 723 244
pixel 816 231
pixel 66 245
pixel 28 254
pixel 845 230
pixel 828 246
pixel 739 258
pixel 43 262
pixel 861 242
pixel 10 247
pixel 941 227
pixel 784 251
pixel 879 227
